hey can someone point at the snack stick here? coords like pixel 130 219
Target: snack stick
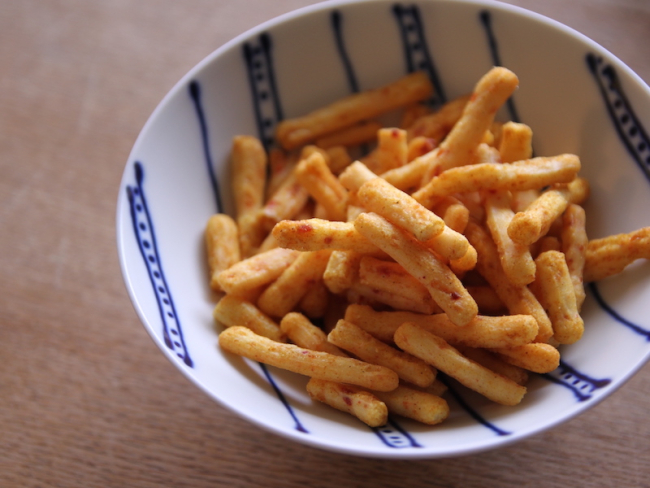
pixel 397 285
pixel 610 255
pixel 466 263
pixel 482 331
pixel 522 199
pixel 314 174
pixel 437 388
pixel 222 246
pixel 383 296
pixel 349 399
pixel 485 153
pixel 515 142
pixel 248 164
pixel 531 224
pixel 574 244
pixel 382 198
pixel 553 288
pixel 493 362
pixel 341 271
pixel 282 296
pixel 412 112
pixel 364 346
pixel 517 298
pixel 392 150
pixel 449 244
pixel 444 287
pixel 234 311
pixel 520 175
pixel 251 233
pixel 410 175
pixel 548 243
pixel 339 159
pixel 356 175
pixel 285 203
pixel 354 135
pixel 303 333
pixel 415 404
pixel 489 94
pixel 419 146
pixel 322 365
pixel 516 260
pixel 438 124
pixel 280 165
pixel 256 271
pixel 444 357
pixel 317 234
pixel 487 300
pixel 453 212
pixel 292 133
pixel 315 300
pixel 536 357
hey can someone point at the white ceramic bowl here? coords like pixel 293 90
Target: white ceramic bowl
pixel 575 95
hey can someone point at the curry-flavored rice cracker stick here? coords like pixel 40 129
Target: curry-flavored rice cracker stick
pixel 292 133
pixel 364 346
pixel 553 288
pixel 443 285
pixel 521 175
pixel 382 198
pixel 315 364
pixel 222 246
pixel 233 311
pixel 282 296
pixel 610 255
pixel 437 352
pixel 574 245
pixel 317 234
pixel 415 404
pixel 358 402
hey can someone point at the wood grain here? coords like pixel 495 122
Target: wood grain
pixel 87 399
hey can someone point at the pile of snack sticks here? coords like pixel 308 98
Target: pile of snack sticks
pixel 446 247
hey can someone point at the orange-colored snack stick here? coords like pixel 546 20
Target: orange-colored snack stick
pixel 491 361
pixel 442 356
pixel 315 364
pixel 354 135
pixel 553 288
pixel 394 286
pixel 233 311
pixel 445 288
pixel 520 175
pixel 391 152
pixel 574 245
pixel 438 124
pixel 314 174
pixel 415 404
pixel 349 399
pixel 517 298
pixel 382 198
pixel 610 255
pixel 282 296
pixel 222 246
pixel 516 260
pixel 529 225
pixel 364 346
pixel 490 93
pixel 317 234
pixel 515 142
pixel 537 357
pixel 303 333
pixel 292 133
pixel 256 271
pixel 482 331
pixel 341 271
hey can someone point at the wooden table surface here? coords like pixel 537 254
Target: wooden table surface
pixel 86 398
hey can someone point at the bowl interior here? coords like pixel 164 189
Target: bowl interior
pixel 576 96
